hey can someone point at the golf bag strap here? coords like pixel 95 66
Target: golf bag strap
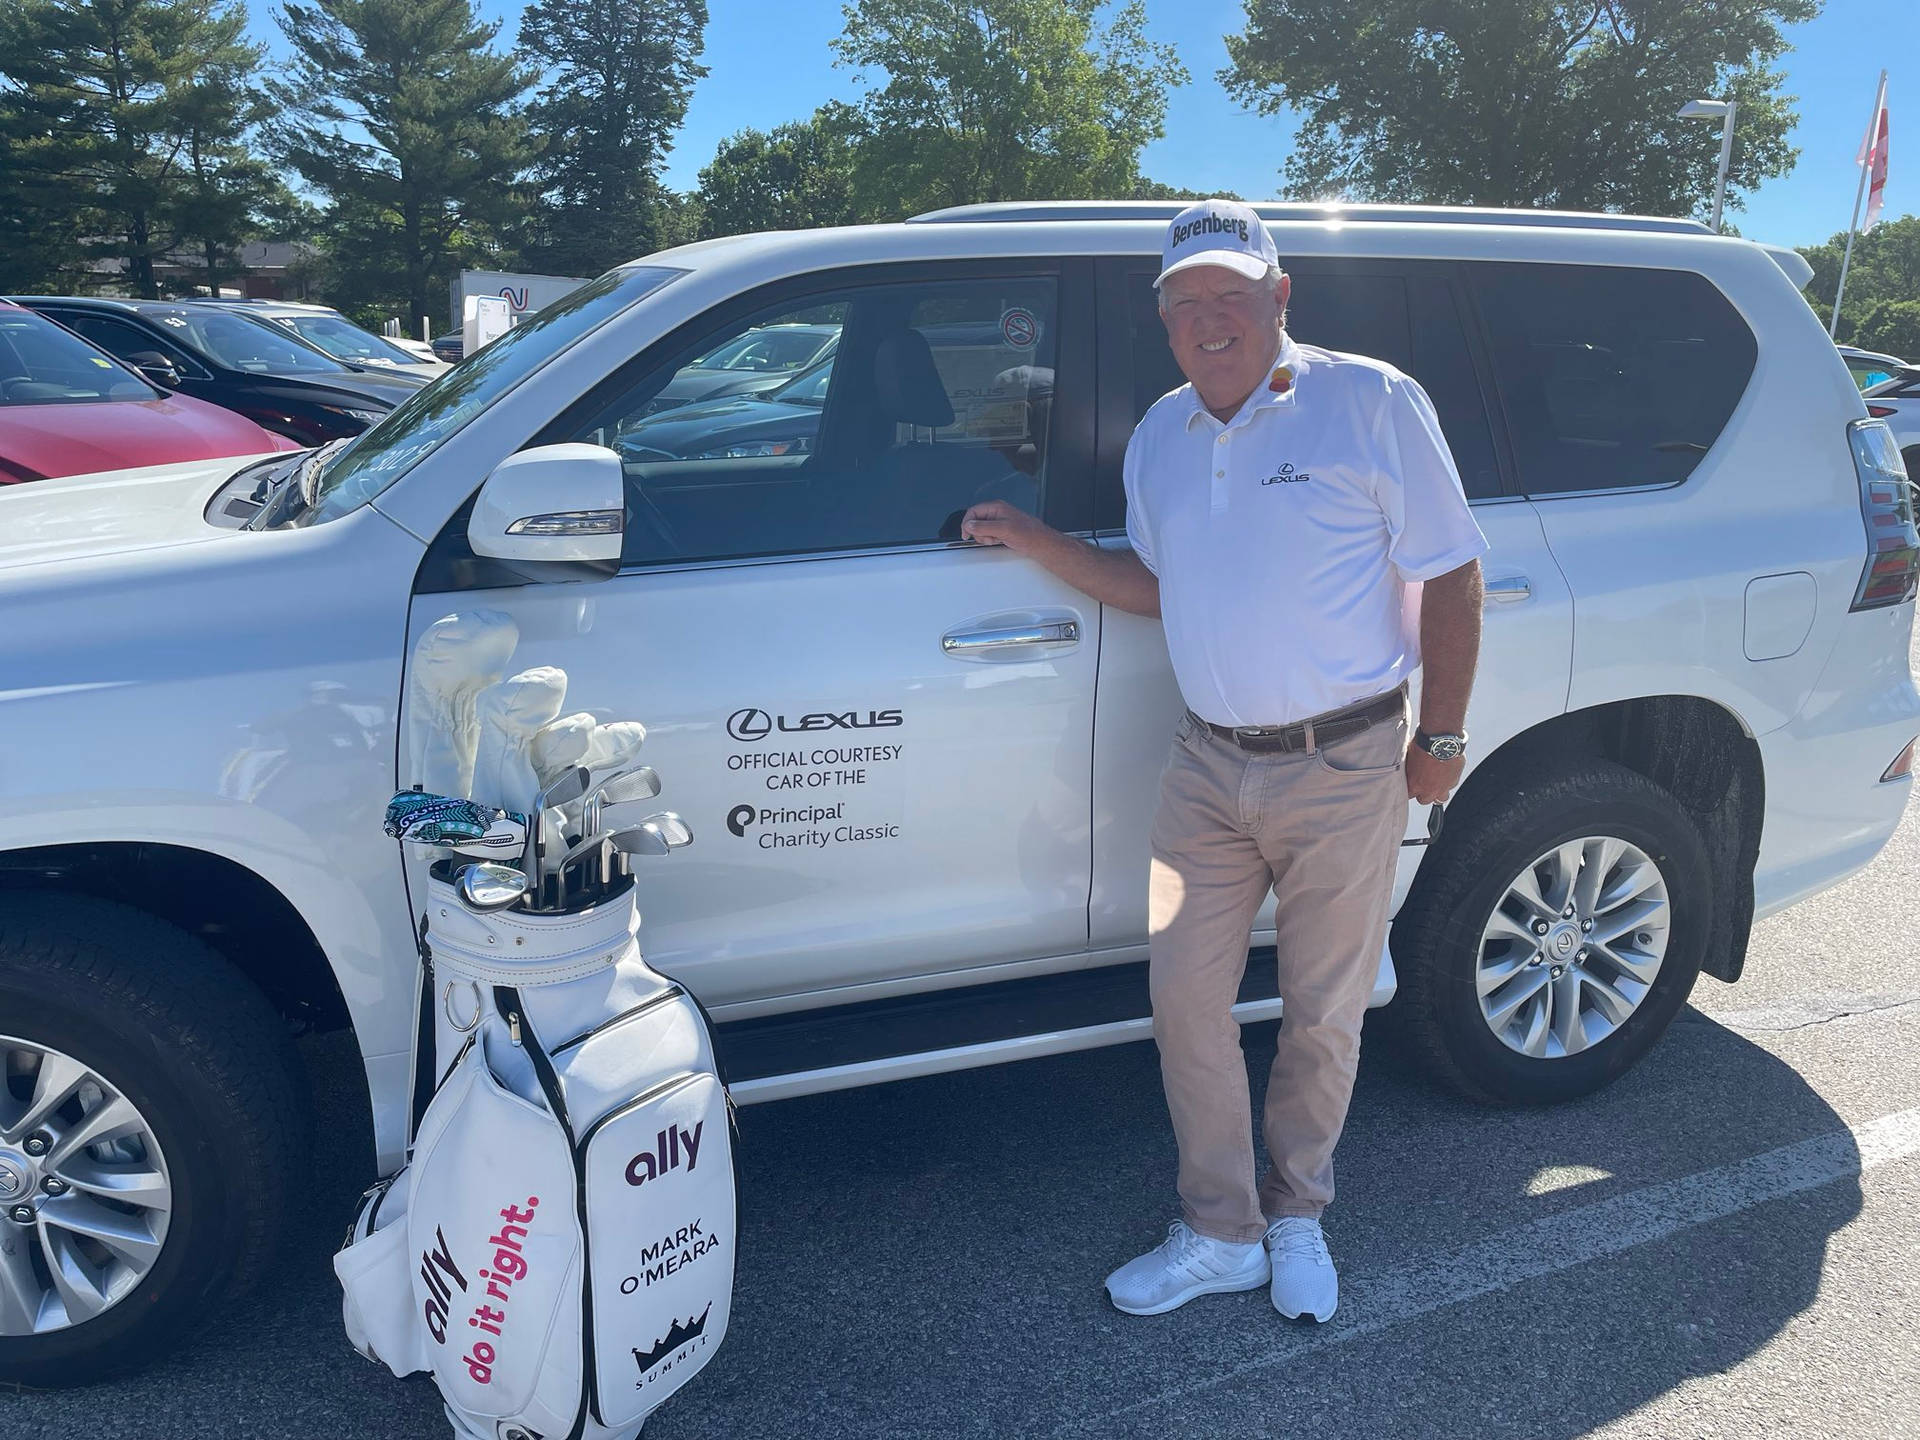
pixel 425 1081
pixel 506 1000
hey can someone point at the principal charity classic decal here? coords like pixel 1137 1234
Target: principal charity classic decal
pixel 678 1343
pixel 750 725
pixel 507 1267
pixel 812 822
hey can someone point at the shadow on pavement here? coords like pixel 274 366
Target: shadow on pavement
pixel 926 1258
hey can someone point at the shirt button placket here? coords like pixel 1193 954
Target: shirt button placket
pixel 1220 476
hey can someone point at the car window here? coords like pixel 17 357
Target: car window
pixel 1413 322
pixel 935 395
pixel 347 341
pixel 432 415
pixel 241 342
pixel 763 349
pixel 126 340
pixel 41 364
pixel 1611 377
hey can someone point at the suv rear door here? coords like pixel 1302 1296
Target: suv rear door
pixel 1413 315
pixel 881 738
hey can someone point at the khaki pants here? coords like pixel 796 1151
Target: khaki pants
pixel 1321 827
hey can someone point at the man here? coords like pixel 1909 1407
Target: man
pixel 1286 509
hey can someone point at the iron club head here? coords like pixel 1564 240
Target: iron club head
pixel 488 887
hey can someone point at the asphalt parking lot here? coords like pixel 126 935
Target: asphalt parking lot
pixel 1722 1244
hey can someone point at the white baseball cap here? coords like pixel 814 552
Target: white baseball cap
pixel 1218 232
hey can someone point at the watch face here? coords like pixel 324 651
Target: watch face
pixel 1445 747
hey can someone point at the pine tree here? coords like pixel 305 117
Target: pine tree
pixel 399 116
pixel 116 112
pixel 620 75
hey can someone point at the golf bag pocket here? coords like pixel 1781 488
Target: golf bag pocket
pixel 493 1240
pixel 378 1298
pixel 660 1209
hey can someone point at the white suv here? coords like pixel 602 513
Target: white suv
pixel 921 773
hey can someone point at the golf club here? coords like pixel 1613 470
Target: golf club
pixel 569 785
pixel 659 834
pixel 487 887
pixel 623 788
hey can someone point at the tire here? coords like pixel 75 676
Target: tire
pixel 174 1031
pixel 1443 952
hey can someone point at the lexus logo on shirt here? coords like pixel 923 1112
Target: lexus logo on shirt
pixel 751 724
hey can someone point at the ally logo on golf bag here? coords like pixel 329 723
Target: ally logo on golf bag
pixel 670 1146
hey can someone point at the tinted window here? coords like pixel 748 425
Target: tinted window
pixel 346 341
pixel 1611 377
pixel 241 342
pixel 1413 322
pixel 41 364
pixel 119 337
pixel 933 396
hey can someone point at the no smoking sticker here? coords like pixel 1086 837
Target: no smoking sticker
pixel 1019 328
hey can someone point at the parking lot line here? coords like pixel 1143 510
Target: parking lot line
pixel 1373 1303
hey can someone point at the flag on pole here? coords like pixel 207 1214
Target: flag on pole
pixel 1873 155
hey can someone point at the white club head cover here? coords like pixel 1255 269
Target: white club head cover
pixel 614 746
pixel 457 656
pixel 561 745
pixel 509 713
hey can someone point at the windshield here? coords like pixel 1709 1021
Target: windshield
pixel 240 342
pixel 42 364
pixel 430 417
pixel 807 388
pixel 344 340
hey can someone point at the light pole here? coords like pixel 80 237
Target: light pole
pixel 1721 110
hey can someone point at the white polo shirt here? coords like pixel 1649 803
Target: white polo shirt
pixel 1290 542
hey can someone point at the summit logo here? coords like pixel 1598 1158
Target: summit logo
pixel 678 1336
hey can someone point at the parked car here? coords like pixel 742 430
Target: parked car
pixel 762 359
pixel 1868 367
pixel 922 774
pixel 1896 400
pixel 249 366
pixel 331 332
pixel 69 408
pixel 450 347
pixel 782 421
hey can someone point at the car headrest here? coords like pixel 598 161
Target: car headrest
pixel 906 382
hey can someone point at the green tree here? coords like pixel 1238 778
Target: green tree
pixel 794 177
pixel 402 120
pixel 1002 100
pixel 620 73
pixel 123 115
pixel 1884 278
pixel 1563 103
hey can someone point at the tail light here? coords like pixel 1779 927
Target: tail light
pixel 1881 412
pixel 1886 504
pixel 1902 765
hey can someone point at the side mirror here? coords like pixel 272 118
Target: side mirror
pixel 553 505
pixel 156 367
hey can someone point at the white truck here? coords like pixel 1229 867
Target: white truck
pixel 922 772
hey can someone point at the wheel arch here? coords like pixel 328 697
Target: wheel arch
pixel 237 913
pixel 1695 748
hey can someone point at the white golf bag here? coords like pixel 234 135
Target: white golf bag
pixel 558 1250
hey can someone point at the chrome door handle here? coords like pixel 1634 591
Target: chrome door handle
pixel 1508 589
pixel 975 642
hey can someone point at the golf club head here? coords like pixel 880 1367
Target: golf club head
pixel 568 786
pixel 630 785
pixel 487 887
pixel 658 834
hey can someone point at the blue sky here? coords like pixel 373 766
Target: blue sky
pixel 769 62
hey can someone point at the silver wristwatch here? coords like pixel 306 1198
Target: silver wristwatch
pixel 1441 747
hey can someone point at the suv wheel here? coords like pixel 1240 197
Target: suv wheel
pixel 149 1121
pixel 1552 935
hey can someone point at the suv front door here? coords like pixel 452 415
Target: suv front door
pixel 881 738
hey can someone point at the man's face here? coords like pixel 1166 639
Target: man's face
pixel 1224 329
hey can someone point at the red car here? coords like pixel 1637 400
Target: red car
pixel 69 408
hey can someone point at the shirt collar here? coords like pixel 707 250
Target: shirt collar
pixel 1265 396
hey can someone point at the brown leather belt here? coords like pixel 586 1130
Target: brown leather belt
pixel 1327 729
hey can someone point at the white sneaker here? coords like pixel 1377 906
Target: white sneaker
pixel 1185 1265
pixel 1304 1280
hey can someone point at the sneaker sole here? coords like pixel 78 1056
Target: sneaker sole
pixel 1313 1315
pixel 1232 1285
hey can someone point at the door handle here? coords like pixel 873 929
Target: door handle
pixel 1509 588
pixel 964 643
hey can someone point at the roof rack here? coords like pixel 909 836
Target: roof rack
pixel 1310 213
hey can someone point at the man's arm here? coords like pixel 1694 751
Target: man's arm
pixel 1449 651
pixel 1113 577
